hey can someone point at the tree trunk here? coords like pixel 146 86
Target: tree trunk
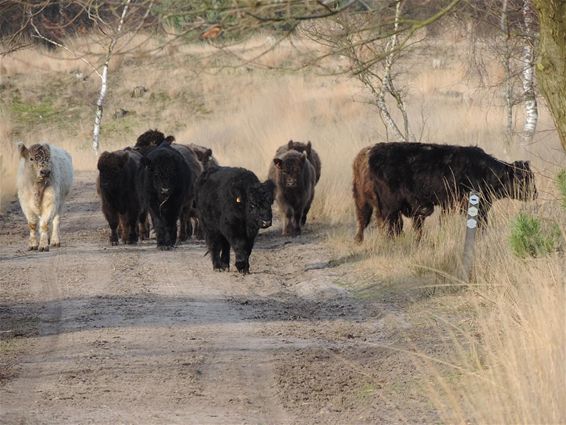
pixel 529 94
pixel 507 52
pixel 551 66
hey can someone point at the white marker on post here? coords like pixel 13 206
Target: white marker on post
pixel 471 228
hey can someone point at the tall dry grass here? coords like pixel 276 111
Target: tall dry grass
pixel 513 352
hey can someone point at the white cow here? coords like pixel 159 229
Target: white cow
pixel 45 176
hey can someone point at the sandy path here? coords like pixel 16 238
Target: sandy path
pixel 135 335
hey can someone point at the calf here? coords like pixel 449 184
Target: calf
pixel 169 190
pixel 233 205
pixel 44 179
pixel 411 179
pixel 312 155
pixel 121 187
pixel 294 178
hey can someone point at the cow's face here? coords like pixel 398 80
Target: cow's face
pixel 522 181
pixel 162 175
pixel 38 158
pixel 110 166
pixel 290 168
pixel 258 204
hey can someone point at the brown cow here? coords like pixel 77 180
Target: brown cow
pixel 410 179
pixel 312 155
pixel 294 178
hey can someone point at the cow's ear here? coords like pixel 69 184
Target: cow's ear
pixel 278 162
pixel 24 153
pixel 208 153
pixel 290 145
pixel 309 148
pixel 170 139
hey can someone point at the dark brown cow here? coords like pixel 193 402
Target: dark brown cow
pixel 312 155
pixel 294 178
pixel 121 187
pixel 410 179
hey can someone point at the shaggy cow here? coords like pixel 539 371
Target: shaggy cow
pixel 233 206
pixel 312 155
pixel 45 176
pixel 121 187
pixel 410 179
pixel 197 158
pixel 294 178
pixel 169 190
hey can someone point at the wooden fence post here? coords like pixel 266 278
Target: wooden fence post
pixel 471 228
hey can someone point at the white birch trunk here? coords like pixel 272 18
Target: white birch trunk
pixel 508 86
pixel 388 86
pixel 104 81
pixel 531 110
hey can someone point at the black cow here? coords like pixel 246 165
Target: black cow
pixel 170 191
pixel 233 205
pixel 120 184
pixel 412 178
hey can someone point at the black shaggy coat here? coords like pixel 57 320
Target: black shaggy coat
pixel 294 177
pixel 170 191
pixel 412 178
pixel 120 184
pixel 233 205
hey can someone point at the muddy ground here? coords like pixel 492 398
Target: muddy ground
pixel 91 333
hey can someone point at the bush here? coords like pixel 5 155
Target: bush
pixel 530 238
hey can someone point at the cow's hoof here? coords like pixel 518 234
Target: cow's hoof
pixel 43 248
pixel 56 244
pixel 32 248
pixel 114 243
pixel 165 247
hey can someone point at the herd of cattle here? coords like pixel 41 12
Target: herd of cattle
pixel 186 193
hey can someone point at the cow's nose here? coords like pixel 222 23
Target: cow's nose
pixel 45 173
pixel 165 190
pixel 265 223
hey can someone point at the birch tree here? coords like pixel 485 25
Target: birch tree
pixel 529 93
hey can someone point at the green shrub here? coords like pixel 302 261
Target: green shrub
pixel 529 237
pixel 562 186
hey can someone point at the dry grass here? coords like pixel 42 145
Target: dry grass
pixel 511 360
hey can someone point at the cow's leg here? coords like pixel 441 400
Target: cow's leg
pixel 186 227
pixel 112 219
pixel 55 239
pixel 132 236
pixel 225 255
pixel 418 222
pixel 288 225
pixel 305 212
pixel 123 227
pixel 297 217
pixel 214 242
pixel 394 224
pixel 32 226
pixel 242 249
pixel 161 232
pixel 198 229
pixel 44 222
pixel 143 225
pixel 363 216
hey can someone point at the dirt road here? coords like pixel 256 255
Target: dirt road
pixel 96 334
